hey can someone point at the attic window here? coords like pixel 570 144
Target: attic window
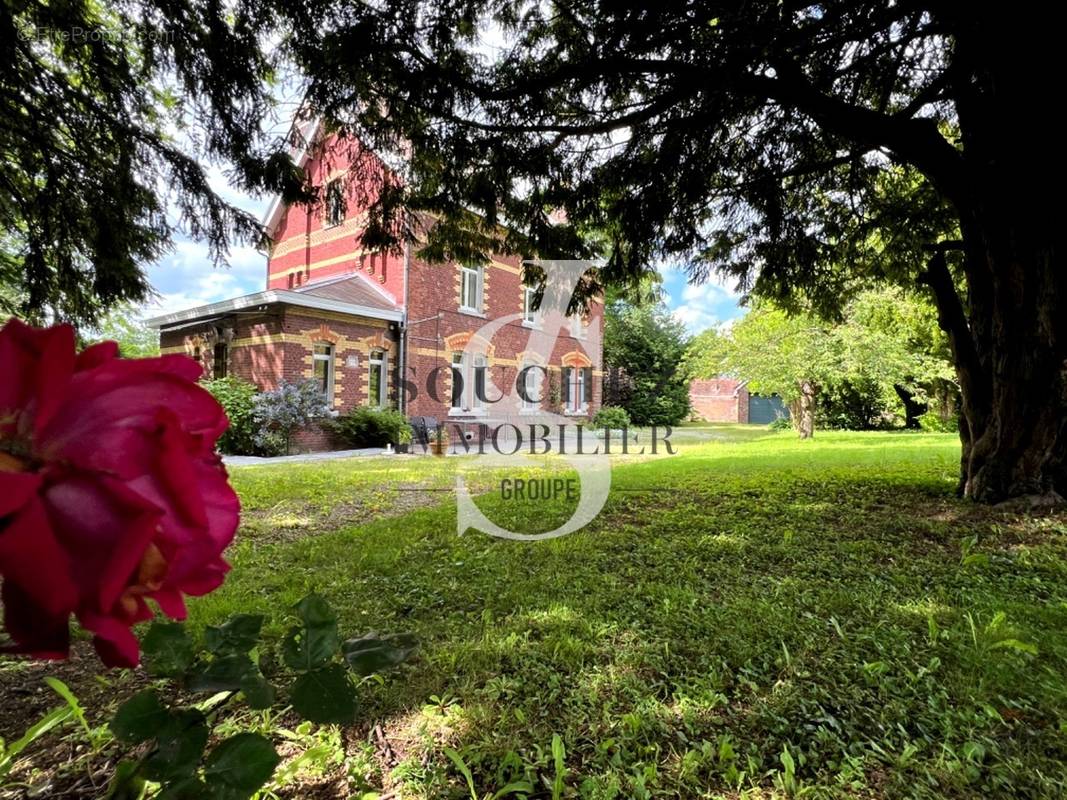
pixel 335 203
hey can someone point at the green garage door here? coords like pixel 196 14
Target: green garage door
pixel 765 410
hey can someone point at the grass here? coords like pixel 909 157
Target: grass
pixel 753 616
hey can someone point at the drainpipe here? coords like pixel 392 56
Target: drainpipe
pixel 401 399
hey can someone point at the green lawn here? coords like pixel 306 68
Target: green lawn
pixel 754 616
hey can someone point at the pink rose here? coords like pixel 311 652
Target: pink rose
pixel 110 491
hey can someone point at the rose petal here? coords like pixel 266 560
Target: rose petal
pixel 106 528
pixel 37 365
pixel 16 488
pixel 95 355
pixel 35 631
pixel 32 558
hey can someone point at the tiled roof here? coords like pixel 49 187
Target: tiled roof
pixel 353 289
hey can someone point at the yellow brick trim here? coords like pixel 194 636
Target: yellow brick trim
pixel 576 358
pixel 530 355
pixel 505 267
pixel 289 245
pixel 459 341
pixel 298 241
pixel 265 338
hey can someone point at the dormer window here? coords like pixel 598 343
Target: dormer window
pixel 335 203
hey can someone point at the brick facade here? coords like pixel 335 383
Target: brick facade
pixel 437 328
pixel 267 344
pixel 719 400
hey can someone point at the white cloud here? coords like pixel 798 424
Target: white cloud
pixel 695 318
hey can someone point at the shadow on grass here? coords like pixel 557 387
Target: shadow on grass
pixel 729 605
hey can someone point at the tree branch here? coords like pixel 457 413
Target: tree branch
pixel 953 321
pixel 917 141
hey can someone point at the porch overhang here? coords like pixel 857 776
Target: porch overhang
pixel 271 297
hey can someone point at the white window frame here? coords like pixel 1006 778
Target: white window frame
pixel 460 367
pixel 530 318
pixel 535 376
pixel 327 357
pixel 471 276
pixel 467 366
pixel 480 362
pixel 328 220
pixel 381 365
pixel 574 391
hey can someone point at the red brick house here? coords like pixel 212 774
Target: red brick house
pixel 385 329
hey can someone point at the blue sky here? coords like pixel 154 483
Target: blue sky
pixel 186 277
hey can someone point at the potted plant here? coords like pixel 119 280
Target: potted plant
pixel 403 439
pixel 439 442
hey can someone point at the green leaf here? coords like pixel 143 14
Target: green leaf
pixel 168 650
pixel 239 634
pixel 324 695
pixel 185 789
pixel 127 783
pixel 464 770
pixel 139 718
pixel 226 673
pixel 313 644
pixel 60 688
pixel 180 743
pixel 315 612
pixel 257 692
pixel 241 765
pixel 309 647
pixel 370 653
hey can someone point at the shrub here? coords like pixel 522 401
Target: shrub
pixel 373 427
pixel 933 422
pixel 611 417
pixel 238 399
pixel 781 424
pixel 288 408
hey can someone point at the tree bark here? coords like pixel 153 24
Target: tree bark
pixel 1011 357
pixel 1009 333
pixel 913 409
pixel 806 407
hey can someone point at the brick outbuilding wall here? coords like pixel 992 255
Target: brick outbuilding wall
pixel 719 400
pixel 276 344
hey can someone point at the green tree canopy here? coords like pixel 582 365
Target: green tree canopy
pixel 887 341
pixel 648 345
pixel 112 112
pixel 124 325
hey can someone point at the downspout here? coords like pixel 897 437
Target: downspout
pixel 401 399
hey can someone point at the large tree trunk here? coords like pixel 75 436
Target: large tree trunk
pixel 1010 350
pixel 806 409
pixel 913 409
pixel 1009 333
